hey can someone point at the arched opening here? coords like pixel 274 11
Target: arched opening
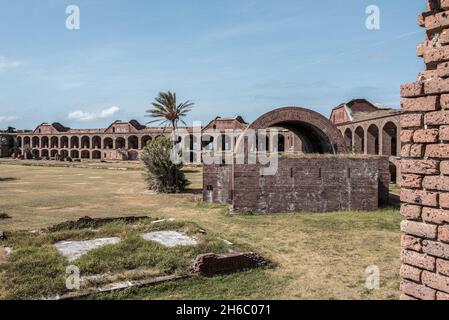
pixel 225 142
pixel 207 142
pixel 393 173
pixel 44 154
pixel 373 139
pixel 193 157
pixel 263 142
pixel 75 154
pixel 133 143
pixel 120 143
pixel 27 141
pixel 35 154
pixel 44 142
pixel 317 133
pixel 19 142
pixel 145 140
pixel 85 154
pixel 75 143
pixel 359 140
pixel 64 142
pixel 108 143
pixel 96 155
pixel 390 139
pixel 54 154
pixel 133 155
pixel 85 142
pixel 64 154
pixel 54 142
pixel 96 142
pixel 35 143
pixel 280 145
pixel 348 139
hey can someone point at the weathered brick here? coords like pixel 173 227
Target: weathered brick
pixel 443 71
pixel 436 249
pixel 411 243
pixel 420 166
pixel 437 151
pixel 436 281
pixel 443 266
pixel 444 37
pixel 411 90
pixel 433 215
pixel 411 180
pixel 419 229
pixel 420 197
pixel 417 290
pixel 437 21
pixel 419 260
pixel 442 296
pixel 404 297
pixel 444 133
pixel 444 200
pixel 444 100
pixel 443 233
pixel 426 136
pixel 444 167
pixel 428 103
pixel 412 151
pixel 440 183
pixel 436 86
pixel 406 136
pixel 410 273
pixel 437 117
pixel 436 54
pixel 411 120
pixel 411 211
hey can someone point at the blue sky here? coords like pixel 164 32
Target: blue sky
pixel 233 57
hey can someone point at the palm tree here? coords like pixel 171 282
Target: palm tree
pixel 168 111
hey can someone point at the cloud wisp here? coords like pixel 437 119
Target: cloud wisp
pixel 80 115
pixel 6 119
pixel 8 64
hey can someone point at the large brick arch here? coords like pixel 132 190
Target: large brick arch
pixel 319 135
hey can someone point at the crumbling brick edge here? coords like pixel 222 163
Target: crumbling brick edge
pixel 208 265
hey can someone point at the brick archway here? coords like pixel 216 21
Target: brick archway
pixel 318 134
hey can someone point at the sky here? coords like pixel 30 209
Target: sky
pixel 233 57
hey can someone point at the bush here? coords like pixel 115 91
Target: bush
pixel 161 174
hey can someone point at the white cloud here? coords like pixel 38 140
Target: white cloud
pixel 5 119
pixel 80 115
pixel 8 64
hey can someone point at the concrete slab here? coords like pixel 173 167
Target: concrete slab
pixel 170 238
pixel 72 250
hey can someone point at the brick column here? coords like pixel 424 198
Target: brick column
pixel 425 165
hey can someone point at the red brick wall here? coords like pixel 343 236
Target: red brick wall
pixel 311 183
pixel 425 189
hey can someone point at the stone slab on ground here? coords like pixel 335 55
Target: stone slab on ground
pixel 73 250
pixel 170 238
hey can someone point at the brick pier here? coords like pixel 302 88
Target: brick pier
pixel 425 168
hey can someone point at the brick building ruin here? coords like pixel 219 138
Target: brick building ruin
pixel 370 129
pixel 425 165
pixel 322 178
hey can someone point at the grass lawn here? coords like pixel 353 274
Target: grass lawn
pixel 318 256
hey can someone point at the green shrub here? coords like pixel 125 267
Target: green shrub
pixel 161 174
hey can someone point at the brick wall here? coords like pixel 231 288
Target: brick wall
pixel 309 183
pixel 425 168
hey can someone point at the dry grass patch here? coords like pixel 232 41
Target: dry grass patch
pixel 320 256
